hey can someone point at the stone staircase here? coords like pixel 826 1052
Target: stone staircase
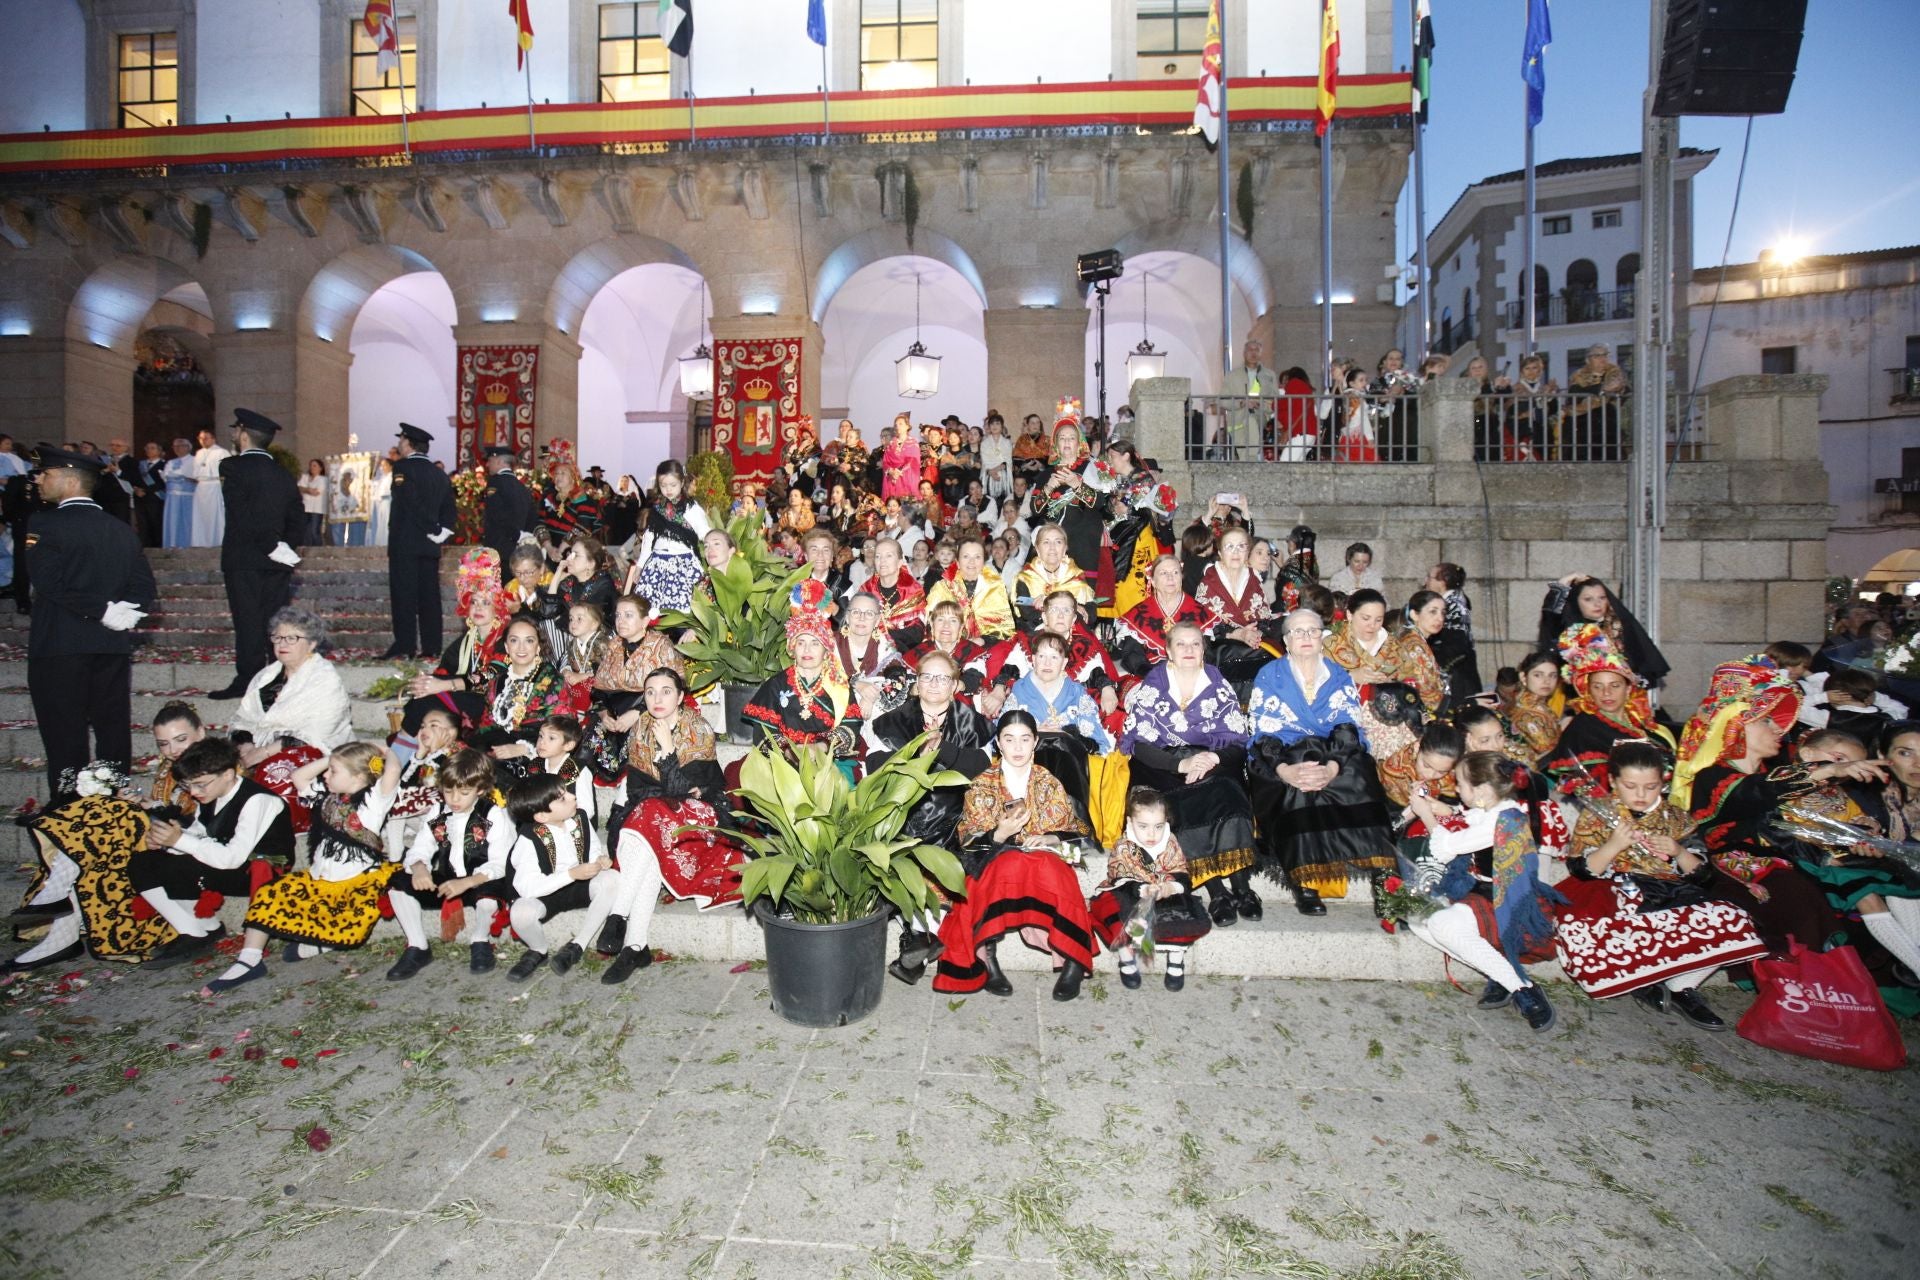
pixel 187 650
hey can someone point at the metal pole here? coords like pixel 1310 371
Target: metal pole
pixel 826 96
pixel 1226 205
pixel 528 64
pixel 1653 312
pixel 1101 291
pixel 1528 301
pixel 1326 257
pixel 406 142
pixel 1420 274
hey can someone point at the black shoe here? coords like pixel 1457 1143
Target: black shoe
pixel 997 984
pixel 907 973
pixel 72 951
pixel 1176 974
pixel 1905 976
pixel 1652 998
pixel 247 974
pixel 612 934
pixel 1307 902
pixel 1249 904
pixel 1691 1006
pixel 480 957
pixel 1130 975
pixel 290 954
pixel 411 961
pixel 918 950
pixel 396 651
pixel 231 691
pixel 567 957
pixel 629 959
pixel 1067 986
pixel 1534 1006
pixel 184 948
pixel 1494 997
pixel 45 912
pixel 528 965
pixel 1224 911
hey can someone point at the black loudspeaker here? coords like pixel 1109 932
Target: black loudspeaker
pixel 1729 57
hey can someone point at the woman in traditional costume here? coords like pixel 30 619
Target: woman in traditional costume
pixel 1139 526
pixel 1050 570
pixel 947 634
pixel 584 576
pixel 516 694
pixel 1374 656
pixel 1535 718
pixel 1140 641
pixel 811 702
pixel 669 564
pixel 1017 830
pixel 295 709
pixel 636 651
pixel 996 457
pixel 1067 497
pixel 1576 601
pixel 1231 593
pixel 454 684
pixel 900 461
pixel 1071 732
pixel 1187 739
pixel 972 585
pixel 1610 706
pixel 1317 799
pixel 903 601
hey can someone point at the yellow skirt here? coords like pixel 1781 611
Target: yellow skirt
pixel 327 913
pixel 101 835
pixel 1107 778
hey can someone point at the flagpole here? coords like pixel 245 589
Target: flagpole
pixel 1326 257
pixel 826 95
pixel 406 143
pixel 1226 230
pixel 693 130
pixel 527 64
pixel 1528 301
pixel 1420 274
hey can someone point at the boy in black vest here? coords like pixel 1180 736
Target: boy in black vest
pixel 236 821
pixel 459 855
pixel 558 864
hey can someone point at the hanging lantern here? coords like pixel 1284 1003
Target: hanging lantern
pixel 916 373
pixel 1145 362
pixel 696 374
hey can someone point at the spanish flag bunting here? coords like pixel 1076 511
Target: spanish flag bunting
pixel 1329 65
pixel 523 22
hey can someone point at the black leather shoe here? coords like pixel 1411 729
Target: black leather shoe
pixel 624 964
pixel 1690 1005
pixel 918 950
pixel 907 973
pixel 230 692
pixel 1653 999
pixel 72 951
pixel 1067 986
pixel 1176 978
pixel 480 957
pixel 1223 911
pixel 185 948
pixel 1534 1006
pixel 528 965
pixel 567 957
pixel 1494 997
pixel 1307 902
pixel 411 961
pixel 1130 976
pixel 396 651
pixel 612 934
pixel 1248 903
pixel 997 984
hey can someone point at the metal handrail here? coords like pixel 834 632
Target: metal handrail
pixel 1361 429
pixel 1574 307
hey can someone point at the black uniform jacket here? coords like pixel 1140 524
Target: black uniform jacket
pixel 422 505
pixel 81 559
pixel 263 509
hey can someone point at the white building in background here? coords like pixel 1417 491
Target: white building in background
pixel 1854 317
pixel 1586 254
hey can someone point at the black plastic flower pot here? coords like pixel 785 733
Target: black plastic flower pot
pixel 740 730
pixel 824 975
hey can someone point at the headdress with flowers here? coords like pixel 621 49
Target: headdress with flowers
pixel 479 579
pixel 1740 692
pixel 806 620
pixel 1585 651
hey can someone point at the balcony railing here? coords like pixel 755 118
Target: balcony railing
pixel 1906 386
pixel 1373 427
pixel 1451 335
pixel 1574 307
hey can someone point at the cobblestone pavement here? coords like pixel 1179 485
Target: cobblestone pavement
pixel 328 1123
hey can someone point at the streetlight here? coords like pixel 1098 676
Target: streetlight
pixel 696 370
pixel 917 373
pixel 1145 362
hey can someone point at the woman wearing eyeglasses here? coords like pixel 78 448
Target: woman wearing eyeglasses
pixel 295 709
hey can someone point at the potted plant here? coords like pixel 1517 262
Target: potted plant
pixel 738 636
pixel 829 863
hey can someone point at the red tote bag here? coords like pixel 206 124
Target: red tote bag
pixel 1822 1004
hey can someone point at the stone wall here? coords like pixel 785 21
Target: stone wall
pixel 1744 553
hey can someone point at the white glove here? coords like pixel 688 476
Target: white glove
pixel 437 538
pixel 122 615
pixel 284 554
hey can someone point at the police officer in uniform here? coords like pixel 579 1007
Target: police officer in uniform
pixel 92 585
pixel 423 519
pixel 508 508
pixel 265 522
pixel 19 502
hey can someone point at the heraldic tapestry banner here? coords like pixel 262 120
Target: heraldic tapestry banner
pixel 497 385
pixel 756 403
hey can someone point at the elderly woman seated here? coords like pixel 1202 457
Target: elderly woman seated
pixel 295 709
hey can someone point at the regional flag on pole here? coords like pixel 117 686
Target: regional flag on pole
pixel 1206 108
pixel 1422 59
pixel 676 26
pixel 1329 65
pixel 523 22
pixel 386 36
pixel 1533 60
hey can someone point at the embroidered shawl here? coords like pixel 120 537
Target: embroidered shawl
pixel 1279 707
pixel 1050 810
pixel 1211 719
pixel 1248 606
pixel 1071 708
pixel 986 608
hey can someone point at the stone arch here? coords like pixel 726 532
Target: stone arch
pixel 596 266
pixel 111 304
pixel 338 290
pixel 1202 240
pixel 881 244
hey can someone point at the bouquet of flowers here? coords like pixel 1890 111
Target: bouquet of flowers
pixel 1835 839
pixel 1902 657
pixel 1100 476
pixel 100 778
pixel 1396 902
pixel 469 496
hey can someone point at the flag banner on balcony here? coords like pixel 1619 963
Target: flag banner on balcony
pixel 1423 47
pixel 497 389
pixel 1206 108
pixel 676 26
pixel 756 403
pixel 523 31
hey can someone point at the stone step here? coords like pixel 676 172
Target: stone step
pixel 169 676
pixel 16 706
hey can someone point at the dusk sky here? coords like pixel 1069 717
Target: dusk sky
pixel 1839 170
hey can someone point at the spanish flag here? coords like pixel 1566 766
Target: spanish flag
pixel 1329 65
pixel 523 20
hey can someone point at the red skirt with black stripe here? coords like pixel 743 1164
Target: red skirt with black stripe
pixel 1017 890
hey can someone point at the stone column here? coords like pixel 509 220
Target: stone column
pixel 99 398
pixel 33 371
pixel 1034 357
pixel 256 369
pixel 1160 428
pixel 319 421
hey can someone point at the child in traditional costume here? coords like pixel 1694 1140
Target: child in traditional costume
pixel 457 863
pixel 557 864
pixel 578 658
pixel 335 900
pixel 1611 705
pixel 1148 867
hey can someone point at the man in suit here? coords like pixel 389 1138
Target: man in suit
pixel 1244 421
pixel 149 492
pixel 265 521
pixel 422 521
pixel 507 509
pixel 92 584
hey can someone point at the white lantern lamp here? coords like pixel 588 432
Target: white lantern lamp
pixel 696 370
pixel 916 373
pixel 1145 362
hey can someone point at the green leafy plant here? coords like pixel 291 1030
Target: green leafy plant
pixel 833 849
pixel 710 478
pixel 739 636
pixel 202 229
pixel 1243 199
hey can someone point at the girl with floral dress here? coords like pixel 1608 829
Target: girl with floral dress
pixel 669 564
pixel 1147 865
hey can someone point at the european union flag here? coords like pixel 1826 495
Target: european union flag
pixel 817 22
pixel 1533 61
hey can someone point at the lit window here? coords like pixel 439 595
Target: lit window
pixel 1604 218
pixel 1172 36
pixel 899 44
pixel 384 93
pixel 1556 226
pixel 635 65
pixel 149 80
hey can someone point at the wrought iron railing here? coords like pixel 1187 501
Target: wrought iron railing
pixel 1361 428
pixel 1584 306
pixel 1451 335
